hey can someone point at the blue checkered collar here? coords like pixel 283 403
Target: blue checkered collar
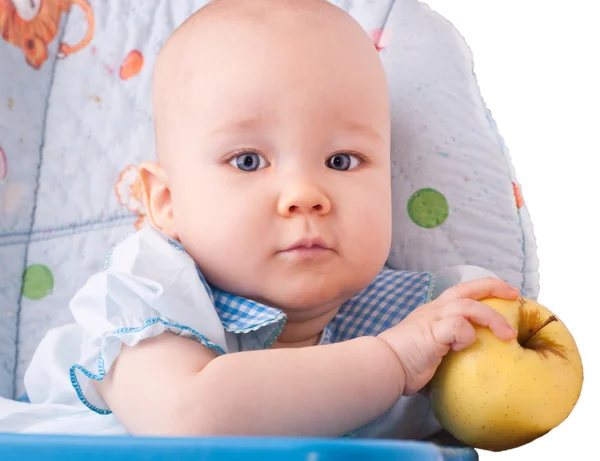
pixel 384 303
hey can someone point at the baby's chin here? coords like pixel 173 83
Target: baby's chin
pixel 320 295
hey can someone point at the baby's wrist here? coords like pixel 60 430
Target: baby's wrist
pixel 399 366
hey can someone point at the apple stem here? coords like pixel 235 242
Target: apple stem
pixel 550 319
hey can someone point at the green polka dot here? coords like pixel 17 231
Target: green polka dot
pixel 428 208
pixel 37 282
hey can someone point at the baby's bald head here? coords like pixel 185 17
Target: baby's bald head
pixel 273 124
pixel 205 50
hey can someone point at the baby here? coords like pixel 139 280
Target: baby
pixel 258 302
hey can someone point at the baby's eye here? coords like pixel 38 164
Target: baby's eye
pixel 249 161
pixel 343 162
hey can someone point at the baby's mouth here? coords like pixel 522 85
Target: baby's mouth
pixel 306 248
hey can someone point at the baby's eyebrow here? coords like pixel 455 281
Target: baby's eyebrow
pixel 363 129
pixel 238 124
pixel 250 123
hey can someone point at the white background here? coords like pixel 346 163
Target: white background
pixel 538 66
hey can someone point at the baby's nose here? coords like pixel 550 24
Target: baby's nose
pixel 303 197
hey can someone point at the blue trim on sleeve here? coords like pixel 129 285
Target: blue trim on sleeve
pixel 121 331
pixel 152 321
pixel 77 386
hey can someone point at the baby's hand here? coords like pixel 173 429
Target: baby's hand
pixel 422 339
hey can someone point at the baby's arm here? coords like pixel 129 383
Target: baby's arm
pixel 170 385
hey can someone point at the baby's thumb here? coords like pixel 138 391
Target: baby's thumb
pixel 454 332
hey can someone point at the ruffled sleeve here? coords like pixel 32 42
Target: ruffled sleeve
pixel 150 285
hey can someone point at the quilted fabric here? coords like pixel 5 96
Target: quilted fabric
pixel 451 171
pixel 75 118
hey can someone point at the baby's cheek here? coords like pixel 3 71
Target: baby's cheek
pixel 366 246
pixel 225 244
pixel 372 226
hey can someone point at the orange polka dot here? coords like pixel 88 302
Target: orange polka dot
pixel 132 65
pixel 518 195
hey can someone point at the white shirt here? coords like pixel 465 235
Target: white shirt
pixel 151 285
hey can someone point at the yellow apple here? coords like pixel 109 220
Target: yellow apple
pixel 497 395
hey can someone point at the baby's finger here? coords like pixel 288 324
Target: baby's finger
pixel 479 289
pixel 455 332
pixel 481 314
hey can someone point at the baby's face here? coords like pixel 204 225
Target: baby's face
pixel 278 146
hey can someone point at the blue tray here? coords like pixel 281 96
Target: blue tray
pixel 16 447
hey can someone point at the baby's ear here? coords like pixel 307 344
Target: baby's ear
pixel 157 195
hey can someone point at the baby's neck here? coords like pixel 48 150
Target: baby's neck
pixel 303 333
pixel 313 341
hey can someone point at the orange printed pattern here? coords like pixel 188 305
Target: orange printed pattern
pixel 128 189
pixel 32 24
pixel 132 65
pixel 518 195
